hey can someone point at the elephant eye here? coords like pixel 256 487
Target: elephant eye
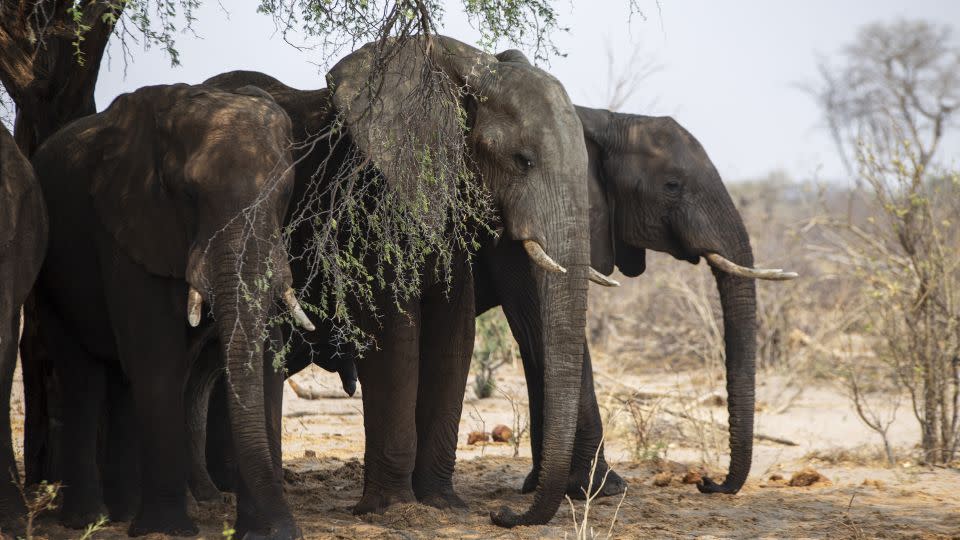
pixel 672 186
pixel 524 161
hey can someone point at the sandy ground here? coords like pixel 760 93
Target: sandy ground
pixel 859 496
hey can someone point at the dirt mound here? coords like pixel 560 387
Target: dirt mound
pixel 807 477
pixel 411 516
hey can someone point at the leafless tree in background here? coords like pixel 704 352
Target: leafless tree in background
pixel 623 82
pixel 890 103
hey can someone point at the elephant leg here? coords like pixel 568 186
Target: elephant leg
pixel 82 390
pixel 589 437
pixel 446 344
pixel 221 461
pixel 389 378
pixel 120 466
pixel 533 374
pixel 42 418
pixel 151 341
pixel 207 370
pixel 11 504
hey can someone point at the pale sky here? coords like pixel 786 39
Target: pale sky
pixel 728 69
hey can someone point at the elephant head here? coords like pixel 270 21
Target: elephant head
pixel 652 186
pixel 520 135
pixel 192 183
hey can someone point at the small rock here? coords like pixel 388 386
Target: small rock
pixel 716 400
pixel 807 477
pixel 776 477
pixel 477 436
pixel 663 479
pixel 692 477
pixel 875 483
pixel 502 433
pixel 309 453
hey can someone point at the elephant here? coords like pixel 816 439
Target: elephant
pixel 524 144
pixel 651 186
pixel 23 243
pixel 171 197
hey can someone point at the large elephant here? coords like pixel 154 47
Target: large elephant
pixel 524 141
pixel 23 242
pixel 171 197
pixel 651 186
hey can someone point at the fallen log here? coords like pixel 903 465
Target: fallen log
pixel 304 393
pixel 721 427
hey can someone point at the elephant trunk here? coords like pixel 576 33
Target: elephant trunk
pixel 738 298
pixel 563 315
pixel 241 305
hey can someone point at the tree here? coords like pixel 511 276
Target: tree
pixel 889 105
pixel 50 54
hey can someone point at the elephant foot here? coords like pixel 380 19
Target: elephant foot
pixel 376 501
pixel 118 514
pixel 441 498
pixel 613 485
pixel 205 491
pixel 12 511
pixel 577 482
pixel 285 531
pixel 122 509
pixel 168 521
pixel 78 512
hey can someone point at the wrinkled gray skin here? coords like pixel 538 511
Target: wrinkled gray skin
pixel 526 143
pixel 23 242
pixel 144 200
pixel 652 186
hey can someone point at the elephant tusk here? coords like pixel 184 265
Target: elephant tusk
pixel 297 311
pixel 540 257
pixel 194 307
pixel 600 279
pixel 730 267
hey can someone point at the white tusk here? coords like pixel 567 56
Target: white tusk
pixel 601 279
pixel 297 311
pixel 194 307
pixel 730 267
pixel 541 258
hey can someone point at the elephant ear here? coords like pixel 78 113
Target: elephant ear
pixel 401 104
pixel 601 228
pixel 606 242
pixel 129 195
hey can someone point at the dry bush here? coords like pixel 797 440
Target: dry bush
pixel 890 103
pixel 643 412
pixel 581 527
pixel 520 420
pixel 493 348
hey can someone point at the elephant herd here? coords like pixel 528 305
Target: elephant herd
pixel 141 228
